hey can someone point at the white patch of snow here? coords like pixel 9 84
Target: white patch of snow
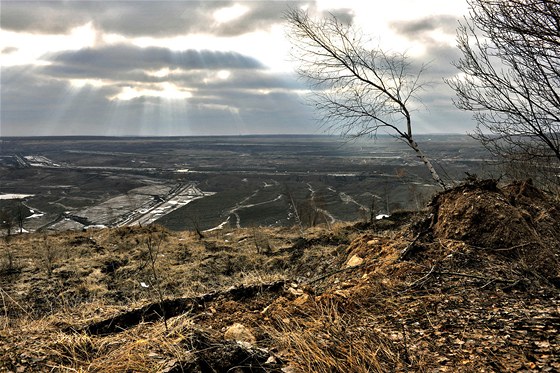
pixel 34 216
pixel 15 196
pixel 221 226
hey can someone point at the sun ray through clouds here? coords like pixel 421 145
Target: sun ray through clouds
pixel 62 111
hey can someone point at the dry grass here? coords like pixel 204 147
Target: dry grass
pixel 73 268
pixel 144 348
pixel 70 279
pixel 148 348
pixel 443 309
pixel 330 341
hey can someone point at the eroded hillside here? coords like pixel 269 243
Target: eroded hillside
pixel 471 284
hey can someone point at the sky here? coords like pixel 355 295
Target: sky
pixel 182 68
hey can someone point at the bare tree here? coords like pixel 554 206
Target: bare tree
pixel 510 76
pixel 20 214
pixel 153 243
pixel 355 89
pixel 7 222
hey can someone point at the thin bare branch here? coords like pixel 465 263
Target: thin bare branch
pixel 510 76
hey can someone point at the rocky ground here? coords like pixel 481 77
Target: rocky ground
pixel 470 284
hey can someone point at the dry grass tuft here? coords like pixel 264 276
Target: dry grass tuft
pixel 144 348
pixel 331 341
pixel 75 351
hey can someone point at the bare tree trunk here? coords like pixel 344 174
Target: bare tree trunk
pixel 426 162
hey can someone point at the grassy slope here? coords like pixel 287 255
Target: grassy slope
pixel 447 306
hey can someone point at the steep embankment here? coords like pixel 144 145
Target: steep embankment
pixel 470 285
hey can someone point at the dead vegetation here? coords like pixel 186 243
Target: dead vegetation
pixel 470 285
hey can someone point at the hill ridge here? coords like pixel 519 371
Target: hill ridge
pixel 470 284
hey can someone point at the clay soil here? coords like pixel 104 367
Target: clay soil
pixel 471 284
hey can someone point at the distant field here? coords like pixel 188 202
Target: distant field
pixel 257 180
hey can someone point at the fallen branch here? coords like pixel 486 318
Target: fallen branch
pixel 475 276
pixel 509 248
pixel 492 249
pixel 423 277
pixel 406 251
pixel 4 293
pixel 489 280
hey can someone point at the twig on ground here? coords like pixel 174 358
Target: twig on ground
pixel 475 276
pixel 404 253
pixel 509 248
pixel 488 280
pixel 492 249
pixel 3 292
pixel 423 277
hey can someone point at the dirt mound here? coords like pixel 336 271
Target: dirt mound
pixel 517 221
pixel 481 215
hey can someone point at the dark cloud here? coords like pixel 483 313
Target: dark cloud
pixel 122 17
pixel 129 65
pixel 156 18
pixel 440 58
pixel 261 80
pixel 415 29
pixel 34 105
pixel 261 16
pixel 44 16
pixel 437 61
pixel 436 112
pixel 140 18
pixel 112 60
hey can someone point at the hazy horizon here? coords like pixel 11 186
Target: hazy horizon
pixel 363 138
